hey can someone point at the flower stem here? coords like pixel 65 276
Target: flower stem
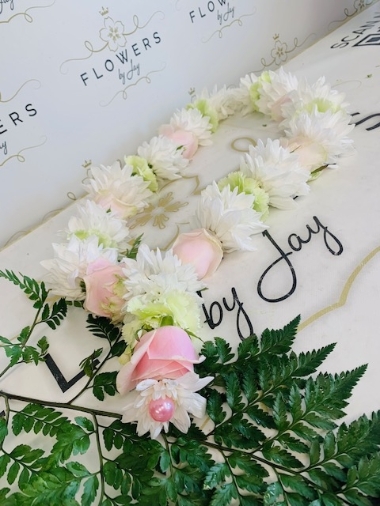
pixel 62 405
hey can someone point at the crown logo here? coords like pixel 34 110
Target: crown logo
pixel 104 11
pixel 87 164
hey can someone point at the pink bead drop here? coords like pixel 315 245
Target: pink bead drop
pixel 161 410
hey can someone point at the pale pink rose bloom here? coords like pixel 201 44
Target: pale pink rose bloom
pixel 184 138
pixel 163 353
pixel 119 208
pixel 201 249
pixel 311 155
pixel 101 279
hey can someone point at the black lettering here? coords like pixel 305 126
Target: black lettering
pixel 96 75
pixel 366 119
pixel 109 65
pixel 192 16
pixel 300 241
pixel 241 313
pixel 283 256
pixel 15 117
pixel 345 39
pixel 222 2
pixel 200 13
pixel 146 42
pixel 157 38
pixel 136 49
pixel 209 316
pixel 63 384
pixel 29 108
pixel 212 5
pixel 343 44
pixel 3 131
pixel 84 78
pixel 327 237
pixel 123 57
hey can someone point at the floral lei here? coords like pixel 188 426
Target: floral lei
pixel 154 295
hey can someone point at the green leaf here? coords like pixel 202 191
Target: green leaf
pixel 277 342
pixel 215 407
pixel 280 413
pixel 13 472
pixel 216 475
pixel 315 452
pixel 281 457
pixel 85 423
pixel 3 430
pixel 165 461
pixel 224 495
pixel 298 484
pixel 90 489
pixel 104 383
pixel 77 469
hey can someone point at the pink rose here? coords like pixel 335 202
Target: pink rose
pixel 200 248
pixel 184 138
pixel 166 352
pixel 104 289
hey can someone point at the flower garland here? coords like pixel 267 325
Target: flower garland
pixel 154 295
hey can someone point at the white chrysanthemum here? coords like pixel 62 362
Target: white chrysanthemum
pixel 217 105
pixel 319 139
pixel 230 216
pixel 180 391
pixel 163 155
pixel 153 267
pixel 159 287
pixel 116 189
pixel 241 96
pixel 275 92
pixel 318 96
pixel 277 172
pixel 94 220
pixel 265 93
pixel 69 265
pixel 191 120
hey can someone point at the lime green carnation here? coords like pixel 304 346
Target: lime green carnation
pixel 255 89
pixel 205 109
pixel 141 168
pixel 249 186
pixel 178 308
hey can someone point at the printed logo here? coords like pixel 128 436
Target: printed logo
pixel 355 38
pixel 215 16
pixel 369 40
pixel 119 55
pixel 15 117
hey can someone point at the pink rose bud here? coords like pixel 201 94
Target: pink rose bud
pixel 104 289
pixel 166 352
pixel 188 140
pixel 200 248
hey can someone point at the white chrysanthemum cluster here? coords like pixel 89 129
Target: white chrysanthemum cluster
pixel 217 105
pixel 193 121
pixel 314 118
pixel 181 391
pixel 115 188
pixel 277 171
pixel 69 265
pixel 94 220
pixel 164 157
pixel 160 289
pixel 230 216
